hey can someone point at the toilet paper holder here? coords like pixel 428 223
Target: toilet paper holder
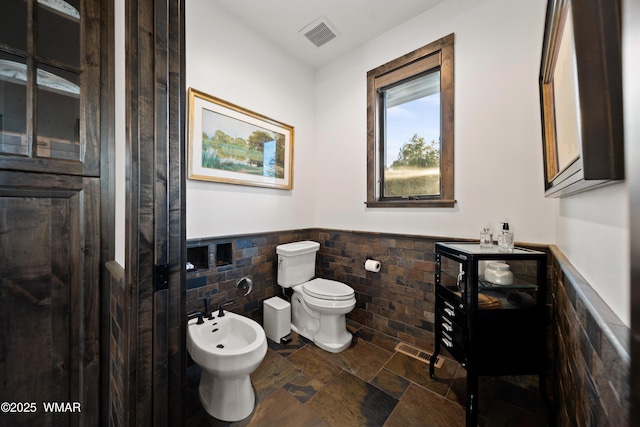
pixel 372 265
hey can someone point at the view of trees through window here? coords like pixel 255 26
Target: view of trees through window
pixel 416 171
pixel 412 137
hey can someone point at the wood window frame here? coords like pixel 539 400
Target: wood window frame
pixel 440 54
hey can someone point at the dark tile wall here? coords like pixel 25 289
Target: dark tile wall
pixel 591 345
pixel 399 300
pixel 118 387
pixel 253 256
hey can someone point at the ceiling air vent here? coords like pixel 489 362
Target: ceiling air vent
pixel 320 31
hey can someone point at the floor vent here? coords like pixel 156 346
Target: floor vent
pixel 416 353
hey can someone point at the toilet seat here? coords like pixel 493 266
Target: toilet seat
pixel 329 290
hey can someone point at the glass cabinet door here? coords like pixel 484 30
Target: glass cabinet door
pixel 453 276
pixel 507 284
pixel 13 104
pixel 13 24
pixel 49 85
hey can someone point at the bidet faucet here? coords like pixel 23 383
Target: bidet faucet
pixel 220 311
pixel 194 315
pixel 207 308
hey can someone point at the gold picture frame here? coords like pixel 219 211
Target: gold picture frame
pixel 233 145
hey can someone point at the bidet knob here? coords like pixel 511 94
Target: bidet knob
pixel 194 315
pixel 220 311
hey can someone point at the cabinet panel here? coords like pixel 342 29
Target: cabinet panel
pixel 510 342
pixel 49 247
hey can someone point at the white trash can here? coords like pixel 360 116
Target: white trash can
pixel 277 319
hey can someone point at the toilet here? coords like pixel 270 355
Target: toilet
pixel 318 306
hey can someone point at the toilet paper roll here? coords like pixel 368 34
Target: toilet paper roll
pixel 372 265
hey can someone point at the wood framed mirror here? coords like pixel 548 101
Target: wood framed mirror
pixel 581 96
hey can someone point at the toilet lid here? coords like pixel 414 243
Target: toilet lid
pixel 328 290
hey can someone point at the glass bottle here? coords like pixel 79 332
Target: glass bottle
pixel 486 238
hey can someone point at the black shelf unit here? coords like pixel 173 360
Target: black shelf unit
pixel 489 329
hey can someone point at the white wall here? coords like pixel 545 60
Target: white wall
pixel 592 230
pixel 498 153
pixel 230 61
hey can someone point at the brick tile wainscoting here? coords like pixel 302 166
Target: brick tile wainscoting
pixel 399 300
pixel 252 256
pixel 590 360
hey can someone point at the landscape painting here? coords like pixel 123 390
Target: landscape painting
pixel 230 144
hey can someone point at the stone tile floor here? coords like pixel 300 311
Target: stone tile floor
pixel 369 384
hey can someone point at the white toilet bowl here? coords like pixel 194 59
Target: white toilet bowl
pixel 318 313
pixel 228 349
pixel 318 305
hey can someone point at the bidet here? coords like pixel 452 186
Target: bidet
pixel 228 349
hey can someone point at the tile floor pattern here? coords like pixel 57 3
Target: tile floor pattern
pixel 368 384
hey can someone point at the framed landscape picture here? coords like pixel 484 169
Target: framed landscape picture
pixel 230 144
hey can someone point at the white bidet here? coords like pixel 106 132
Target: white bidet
pixel 227 349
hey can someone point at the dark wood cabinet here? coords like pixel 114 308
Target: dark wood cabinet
pixel 490 329
pixel 53 84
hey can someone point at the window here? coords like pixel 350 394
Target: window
pixel 410 129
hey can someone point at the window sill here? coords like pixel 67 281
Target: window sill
pixel 412 204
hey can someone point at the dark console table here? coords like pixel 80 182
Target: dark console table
pixel 490 329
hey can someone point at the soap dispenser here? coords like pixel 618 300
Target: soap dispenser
pixel 505 238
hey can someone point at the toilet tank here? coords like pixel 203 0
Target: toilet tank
pixel 296 262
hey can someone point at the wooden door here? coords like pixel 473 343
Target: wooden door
pixel 156 233
pixel 51 90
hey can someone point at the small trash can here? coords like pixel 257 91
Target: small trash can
pixel 277 319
